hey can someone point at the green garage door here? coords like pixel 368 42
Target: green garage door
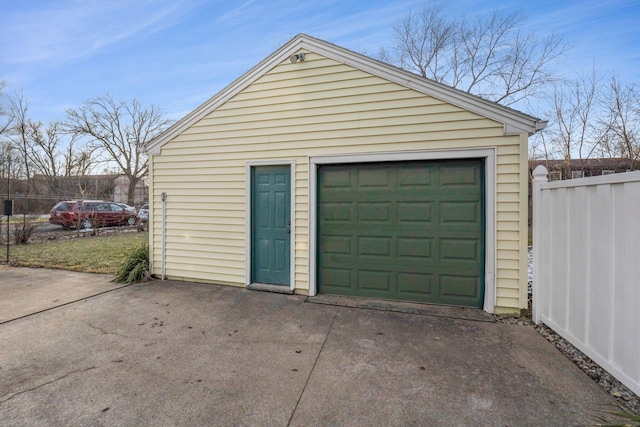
pixel 403 230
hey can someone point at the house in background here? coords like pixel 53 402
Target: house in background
pixel 321 170
pixel 121 191
pixel 560 169
pixel 575 168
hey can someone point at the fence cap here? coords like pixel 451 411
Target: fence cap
pixel 540 174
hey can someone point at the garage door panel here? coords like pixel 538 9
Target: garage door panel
pixel 418 286
pixel 336 244
pixel 336 278
pixel 415 248
pixel 460 249
pixel 376 246
pixel 338 179
pixel 374 280
pixel 460 212
pixel 373 212
pixel 414 231
pixel 414 177
pixel 374 179
pixel 414 211
pixel 337 211
pixel 459 176
pixel 453 286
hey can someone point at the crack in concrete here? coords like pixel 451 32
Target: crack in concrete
pixel 103 331
pixel 47 383
pixel 66 303
pixel 315 362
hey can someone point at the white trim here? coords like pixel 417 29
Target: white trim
pixel 489 156
pixel 163 244
pixel 515 122
pixel 248 236
pixel 594 180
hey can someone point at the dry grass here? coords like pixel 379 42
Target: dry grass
pixel 89 254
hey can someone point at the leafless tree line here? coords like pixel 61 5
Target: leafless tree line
pixel 38 149
pixel 490 55
pixel 592 116
pixel 101 132
pixel 494 57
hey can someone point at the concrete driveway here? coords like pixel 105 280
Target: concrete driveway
pixel 174 353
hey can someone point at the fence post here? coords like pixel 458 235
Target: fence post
pixel 539 177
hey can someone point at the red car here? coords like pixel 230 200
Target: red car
pixel 90 213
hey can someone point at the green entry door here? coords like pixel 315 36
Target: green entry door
pixel 403 230
pixel 271 225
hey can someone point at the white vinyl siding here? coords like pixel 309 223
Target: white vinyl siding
pixel 311 108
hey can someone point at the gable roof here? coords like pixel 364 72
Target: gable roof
pixel 515 122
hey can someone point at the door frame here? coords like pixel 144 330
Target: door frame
pixel 248 219
pixel 488 154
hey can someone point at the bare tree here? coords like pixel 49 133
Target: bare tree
pixel 19 135
pixel 622 120
pixel 56 153
pixel 79 159
pixel 121 131
pixel 420 41
pixel 490 56
pixel 575 129
pixel 540 147
pixel 44 149
pixel 6 118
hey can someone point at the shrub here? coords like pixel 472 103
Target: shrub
pixel 22 231
pixel 134 267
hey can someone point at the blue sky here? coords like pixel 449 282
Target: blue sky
pixel 178 53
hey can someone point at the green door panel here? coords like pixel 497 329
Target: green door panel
pixel 403 230
pixel 270 225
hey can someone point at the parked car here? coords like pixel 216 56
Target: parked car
pixel 143 213
pixel 90 213
pixel 127 207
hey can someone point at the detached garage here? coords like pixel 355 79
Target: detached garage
pixel 323 171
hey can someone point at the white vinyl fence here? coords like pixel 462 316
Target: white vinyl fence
pixel 586 271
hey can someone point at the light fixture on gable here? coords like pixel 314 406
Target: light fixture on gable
pixel 297 57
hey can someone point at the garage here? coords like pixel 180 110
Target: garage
pixel 339 174
pixel 411 230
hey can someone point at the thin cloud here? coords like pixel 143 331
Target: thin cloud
pixel 234 13
pixel 178 53
pixel 71 30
